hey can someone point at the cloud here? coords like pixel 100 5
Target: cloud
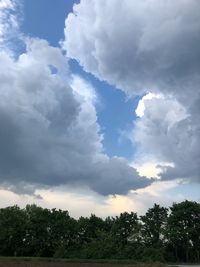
pixel 49 134
pixel 82 202
pixel 141 104
pixel 10 16
pixel 147 46
pixel 6 4
pixel 136 45
pixel 168 133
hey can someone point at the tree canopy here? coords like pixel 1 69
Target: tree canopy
pixel 161 234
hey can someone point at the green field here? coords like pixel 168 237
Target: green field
pixel 44 262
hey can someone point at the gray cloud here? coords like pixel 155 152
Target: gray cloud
pixel 49 133
pixel 137 45
pixel 142 46
pixel 168 133
pixel 117 176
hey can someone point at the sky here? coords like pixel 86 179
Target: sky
pixel 99 104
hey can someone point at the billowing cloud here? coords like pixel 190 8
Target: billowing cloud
pixel 49 133
pixel 141 104
pixel 147 46
pixel 167 132
pixel 137 45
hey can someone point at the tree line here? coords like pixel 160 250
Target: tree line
pixel 161 234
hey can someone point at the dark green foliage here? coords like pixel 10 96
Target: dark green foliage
pixel 13 226
pixel 156 236
pixel 154 226
pixel 184 230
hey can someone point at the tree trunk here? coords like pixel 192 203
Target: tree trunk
pixel 187 254
pixel 176 253
pixel 198 256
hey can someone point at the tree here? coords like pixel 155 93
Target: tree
pixel 88 228
pixel 123 226
pixel 36 231
pixel 63 233
pixel 122 229
pixel 101 247
pixel 38 240
pixel 153 226
pixel 13 225
pixel 184 229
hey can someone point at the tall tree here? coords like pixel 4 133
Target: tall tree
pixel 184 229
pixel 38 240
pixel 123 227
pixel 63 232
pixel 153 226
pixel 13 223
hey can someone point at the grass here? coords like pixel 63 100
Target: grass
pixel 51 262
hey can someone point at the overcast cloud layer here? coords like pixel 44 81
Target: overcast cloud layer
pixel 142 46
